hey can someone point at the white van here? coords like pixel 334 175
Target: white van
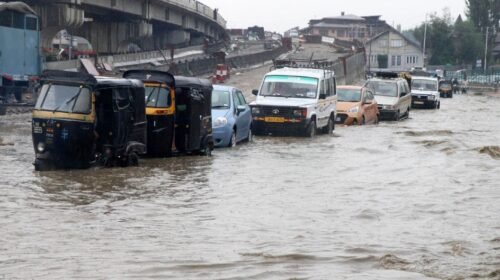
pixel 295 101
pixel 425 92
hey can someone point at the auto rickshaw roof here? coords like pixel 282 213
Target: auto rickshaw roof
pixel 182 81
pixel 56 76
pixel 151 76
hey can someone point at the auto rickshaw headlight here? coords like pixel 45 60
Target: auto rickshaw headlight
pixel 40 147
pixel 220 122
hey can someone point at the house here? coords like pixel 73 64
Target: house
pixel 347 27
pixel 392 50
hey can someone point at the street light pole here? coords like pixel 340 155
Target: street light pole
pixel 425 41
pixel 486 49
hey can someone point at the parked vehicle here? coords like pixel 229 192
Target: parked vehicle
pixel 160 109
pixel 193 116
pixel 295 101
pixel 356 106
pixel 446 89
pixel 231 117
pixel 20 60
pixel 392 94
pixel 425 92
pixel 80 119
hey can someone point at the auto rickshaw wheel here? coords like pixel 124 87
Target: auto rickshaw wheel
pixel 132 159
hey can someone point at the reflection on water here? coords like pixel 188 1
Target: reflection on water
pixel 410 200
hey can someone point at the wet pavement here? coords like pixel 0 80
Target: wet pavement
pixel 418 199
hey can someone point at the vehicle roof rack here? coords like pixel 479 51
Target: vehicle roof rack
pixel 151 76
pixel 326 66
pixel 67 76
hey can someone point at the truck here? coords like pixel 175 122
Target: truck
pixel 20 57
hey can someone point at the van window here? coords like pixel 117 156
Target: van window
pixel 334 86
pixel 290 86
pixel 323 89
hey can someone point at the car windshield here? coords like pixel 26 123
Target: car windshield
pixel 348 95
pixel 63 98
pixel 290 87
pixel 221 99
pixel 424 85
pixel 158 97
pixel 384 88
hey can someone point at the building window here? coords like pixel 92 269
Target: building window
pixel 167 14
pixel 393 60
pixel 340 33
pixel 398 60
pixel 396 43
pixel 323 32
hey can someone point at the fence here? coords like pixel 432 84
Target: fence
pixel 480 77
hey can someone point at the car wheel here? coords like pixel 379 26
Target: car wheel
pixel 232 142
pixel 397 116
pixel 328 129
pixel 377 119
pixel 250 135
pixel 438 105
pixel 363 122
pixel 311 129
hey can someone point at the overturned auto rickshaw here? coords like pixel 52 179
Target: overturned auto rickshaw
pixel 193 116
pixel 160 109
pixel 80 120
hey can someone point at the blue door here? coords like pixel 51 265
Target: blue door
pixel 243 119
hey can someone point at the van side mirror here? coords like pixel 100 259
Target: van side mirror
pixel 322 96
pixel 255 92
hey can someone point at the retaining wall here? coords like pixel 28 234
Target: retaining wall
pixel 350 69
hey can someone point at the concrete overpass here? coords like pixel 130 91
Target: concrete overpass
pixel 111 25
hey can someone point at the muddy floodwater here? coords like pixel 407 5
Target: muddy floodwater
pixel 418 199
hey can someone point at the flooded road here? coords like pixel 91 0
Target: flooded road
pixel 417 199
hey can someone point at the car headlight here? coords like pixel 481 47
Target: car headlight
pixel 388 107
pixel 255 110
pixel 40 147
pixel 431 97
pixel 300 113
pixel 220 122
pixel 354 110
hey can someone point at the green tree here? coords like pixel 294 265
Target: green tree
pixel 439 47
pixel 469 43
pixel 483 13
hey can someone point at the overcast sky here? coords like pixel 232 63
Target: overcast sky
pixel 281 15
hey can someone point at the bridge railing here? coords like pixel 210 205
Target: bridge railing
pixel 199 8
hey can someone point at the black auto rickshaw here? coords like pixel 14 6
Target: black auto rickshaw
pixel 80 119
pixel 446 89
pixel 160 109
pixel 193 116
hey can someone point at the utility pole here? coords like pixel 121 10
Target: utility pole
pixel 486 49
pixel 425 41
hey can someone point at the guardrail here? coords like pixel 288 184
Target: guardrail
pixel 199 8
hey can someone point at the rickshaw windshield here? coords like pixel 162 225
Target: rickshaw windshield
pixel 158 97
pixel 65 99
